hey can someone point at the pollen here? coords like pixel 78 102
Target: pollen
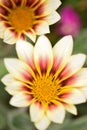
pixel 21 18
pixel 45 89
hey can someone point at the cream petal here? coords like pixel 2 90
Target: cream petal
pixel 18 69
pixel 56 113
pixel 43 56
pixel 84 91
pixel 71 108
pixel 2 29
pixel 21 100
pixel 15 88
pixel 8 79
pixel 75 63
pixel 52 18
pixel 36 112
pixel 62 52
pixel 51 5
pixel 25 52
pixel 9 37
pixel 42 28
pixel 79 79
pixel 31 35
pixel 43 123
pixel 72 96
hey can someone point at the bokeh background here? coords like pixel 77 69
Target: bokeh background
pixel 73 21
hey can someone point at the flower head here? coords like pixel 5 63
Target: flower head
pixel 70 22
pixel 48 80
pixel 26 17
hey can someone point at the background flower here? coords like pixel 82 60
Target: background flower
pixel 48 80
pixel 70 22
pixel 25 17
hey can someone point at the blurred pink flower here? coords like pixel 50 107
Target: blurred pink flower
pixel 70 22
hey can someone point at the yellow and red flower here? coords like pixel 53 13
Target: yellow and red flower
pixel 49 80
pixel 20 18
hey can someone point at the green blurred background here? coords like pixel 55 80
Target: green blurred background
pixel 12 118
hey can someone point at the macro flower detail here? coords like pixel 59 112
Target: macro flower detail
pixel 20 18
pixel 49 80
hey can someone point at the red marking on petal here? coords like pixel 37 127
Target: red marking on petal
pixel 27 76
pixel 17 2
pixel 23 37
pixel 7 3
pixel 39 10
pixel 65 72
pixel 43 63
pixel 24 88
pixel 30 2
pixel 56 65
pixel 29 97
pixel 70 81
pixel 3 11
pixel 38 104
pixel 52 106
pixel 65 95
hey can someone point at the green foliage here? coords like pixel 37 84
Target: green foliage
pixel 80 44
pixel 19 120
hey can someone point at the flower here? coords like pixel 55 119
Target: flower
pixel 20 18
pixel 70 22
pixel 48 80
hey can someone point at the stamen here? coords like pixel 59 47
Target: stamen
pixel 37 6
pixel 5 7
pixel 4 16
pixel 13 3
pixel 35 1
pixel 37 21
pixel 23 3
pixel 45 89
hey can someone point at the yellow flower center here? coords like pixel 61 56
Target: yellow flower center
pixel 21 18
pixel 45 89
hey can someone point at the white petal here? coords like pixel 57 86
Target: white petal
pixel 9 37
pixel 21 100
pixel 52 18
pixel 2 29
pixel 18 69
pixel 8 79
pixel 71 108
pixel 73 96
pixel 79 79
pixel 51 5
pixel 15 88
pixel 42 124
pixel 25 52
pixel 56 113
pixel 42 28
pixel 62 52
pixel 84 91
pixel 36 112
pixel 43 56
pixel 75 63
pixel 31 35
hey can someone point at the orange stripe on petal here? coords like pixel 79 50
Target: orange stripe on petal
pixel 19 69
pixel 73 65
pixel 62 52
pixel 72 96
pixel 43 57
pixel 25 52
